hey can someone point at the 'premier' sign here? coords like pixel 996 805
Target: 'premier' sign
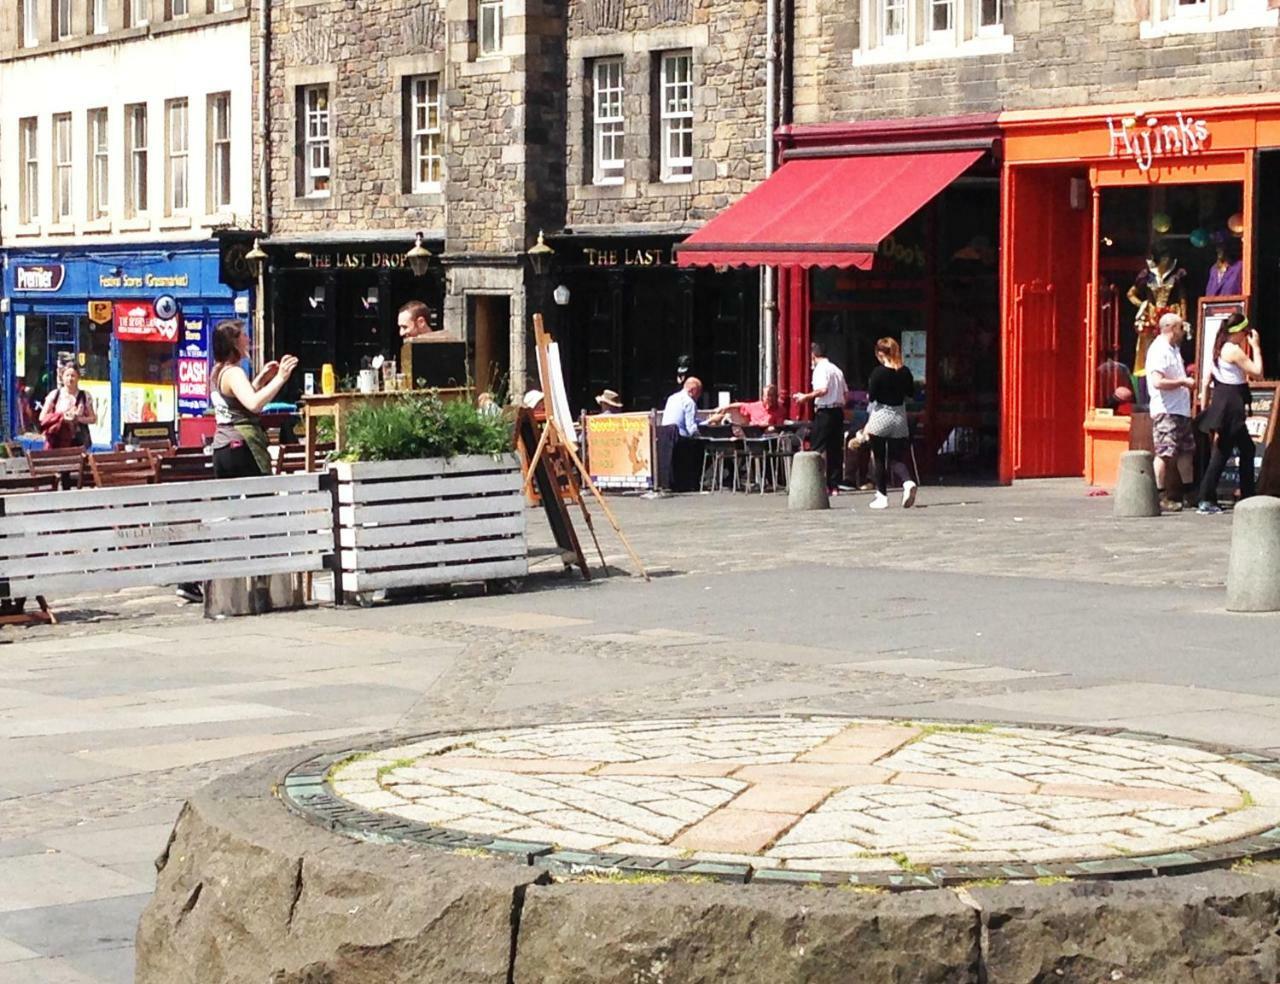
pixel 46 278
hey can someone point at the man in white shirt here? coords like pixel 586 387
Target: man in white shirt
pixel 1170 388
pixel 682 407
pixel 828 396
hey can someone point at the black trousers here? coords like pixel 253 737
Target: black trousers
pixel 828 437
pixel 891 457
pixel 235 461
pixel 1239 442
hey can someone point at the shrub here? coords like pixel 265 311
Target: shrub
pixel 422 426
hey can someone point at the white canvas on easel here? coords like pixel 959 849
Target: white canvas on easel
pixel 557 396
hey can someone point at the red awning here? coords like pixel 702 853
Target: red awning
pixel 824 212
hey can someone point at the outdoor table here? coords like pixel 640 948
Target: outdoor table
pixel 338 405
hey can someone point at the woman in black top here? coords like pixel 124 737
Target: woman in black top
pixel 887 427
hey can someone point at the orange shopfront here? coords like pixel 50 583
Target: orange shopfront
pixel 1089 196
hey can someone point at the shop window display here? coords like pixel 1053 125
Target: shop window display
pixel 1161 250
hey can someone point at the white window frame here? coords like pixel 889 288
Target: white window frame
pixel 426 135
pixel 62 19
pixel 489 33
pixel 137 197
pixel 225 5
pixel 30 23
pixel 1168 17
pixel 63 168
pixel 175 13
pixel 139 13
pixel 220 163
pixel 608 121
pixel 675 116
pixel 29 175
pixel 993 30
pixel 317 148
pixel 98 147
pixel 98 17
pixel 177 157
pixel 965 35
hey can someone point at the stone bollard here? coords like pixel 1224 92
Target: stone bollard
pixel 808 485
pixel 1136 493
pixel 1253 570
pixel 229 596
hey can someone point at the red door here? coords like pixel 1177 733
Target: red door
pixel 1044 326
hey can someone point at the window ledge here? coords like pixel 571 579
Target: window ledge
pixel 139 223
pixel 486 65
pixel 214 220
pixel 973 48
pixel 30 229
pixel 313 201
pixel 61 229
pixel 98 225
pixel 175 222
pixel 423 199
pixel 679 179
pixel 1173 26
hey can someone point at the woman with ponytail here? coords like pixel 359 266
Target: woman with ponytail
pixel 1237 355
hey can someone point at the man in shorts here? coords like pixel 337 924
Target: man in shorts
pixel 1170 388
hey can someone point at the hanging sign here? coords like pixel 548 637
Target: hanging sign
pixel 1145 139
pixel 193 370
pixel 100 312
pixel 136 321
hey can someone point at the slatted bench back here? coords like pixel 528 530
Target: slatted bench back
pixel 143 535
pixel 184 466
pixel 115 468
pixel 60 461
pixel 15 467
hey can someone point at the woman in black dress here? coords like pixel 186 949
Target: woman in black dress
pixel 1231 367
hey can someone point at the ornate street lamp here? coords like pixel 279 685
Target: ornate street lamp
pixel 419 257
pixel 540 256
pixel 256 258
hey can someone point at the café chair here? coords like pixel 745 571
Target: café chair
pixel 68 464
pixel 112 469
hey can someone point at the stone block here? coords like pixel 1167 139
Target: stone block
pixel 248 892
pixel 807 487
pixel 1211 928
pixel 1253 568
pixel 757 934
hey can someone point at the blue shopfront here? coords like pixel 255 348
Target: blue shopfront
pixel 136 321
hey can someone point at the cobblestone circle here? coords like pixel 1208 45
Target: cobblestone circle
pixel 820 795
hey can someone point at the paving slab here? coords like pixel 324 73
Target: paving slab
pixel 33 881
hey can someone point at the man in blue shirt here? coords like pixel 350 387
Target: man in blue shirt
pixel 682 408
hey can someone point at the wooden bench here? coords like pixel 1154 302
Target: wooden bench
pixel 68 464
pixel 292 458
pixel 186 465
pixel 115 468
pixel 12 484
pixel 152 535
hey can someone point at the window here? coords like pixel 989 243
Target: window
pixel 176 156
pixel 61 19
pixel 315 140
pixel 179 8
pixel 29 176
pixel 30 23
pixel 219 152
pixel 225 5
pixel 676 98
pixel 906 30
pixel 135 140
pixel 139 13
pixel 991 17
pixel 426 142
pixel 62 167
pixel 489 16
pixel 608 122
pixel 99 166
pixel 98 17
pixel 942 23
pixel 893 22
pixel 1192 16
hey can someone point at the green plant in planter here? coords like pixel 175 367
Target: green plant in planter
pixel 422 426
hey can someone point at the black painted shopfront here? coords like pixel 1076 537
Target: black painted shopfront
pixel 631 314
pixel 339 304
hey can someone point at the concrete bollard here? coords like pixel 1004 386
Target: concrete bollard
pixel 1136 493
pixel 229 596
pixel 808 486
pixel 1253 570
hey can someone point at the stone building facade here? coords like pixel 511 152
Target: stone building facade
pixel 1045 53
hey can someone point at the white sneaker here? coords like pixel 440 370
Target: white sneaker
pixel 879 501
pixel 908 494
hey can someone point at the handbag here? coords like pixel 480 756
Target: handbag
pixel 887 421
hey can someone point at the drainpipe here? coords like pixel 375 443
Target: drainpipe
pixel 768 274
pixel 264 167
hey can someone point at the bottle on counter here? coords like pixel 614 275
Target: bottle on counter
pixel 327 382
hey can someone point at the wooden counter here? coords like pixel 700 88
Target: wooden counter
pixel 337 405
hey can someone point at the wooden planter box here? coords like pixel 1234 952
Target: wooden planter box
pixel 430 521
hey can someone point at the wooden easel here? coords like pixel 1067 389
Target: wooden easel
pixel 550 491
pixel 559 451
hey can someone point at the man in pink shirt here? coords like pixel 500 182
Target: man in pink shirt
pixel 764 412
